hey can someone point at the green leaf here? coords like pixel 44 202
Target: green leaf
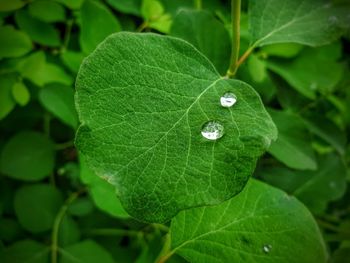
pixel 40 32
pixel 59 100
pixel 81 207
pixel 36 206
pixel 128 7
pixel 313 70
pixel 37 70
pixel 93 31
pixel 262 224
pixel 27 156
pixel 308 22
pixel 151 9
pixel 69 232
pixel 7 103
pixel 206 33
pixel 14 43
pixel 293 147
pixel 87 251
pixel 72 4
pixel 20 93
pixel 103 193
pixel 283 50
pixel 72 60
pixel 47 11
pixel 10 230
pixel 142 118
pixel 6 5
pixel 25 251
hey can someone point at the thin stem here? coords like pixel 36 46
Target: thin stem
pixel 47 120
pixel 58 220
pixel 64 145
pixel 67 35
pixel 198 4
pixel 142 27
pixel 165 253
pixel 235 17
pixel 245 55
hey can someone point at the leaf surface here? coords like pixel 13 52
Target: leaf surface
pixel 143 100
pixel 261 224
pixel 14 43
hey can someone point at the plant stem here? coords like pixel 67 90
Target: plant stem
pixel 245 56
pixel 235 17
pixel 198 4
pixel 165 253
pixel 58 220
pixel 64 145
pixel 142 27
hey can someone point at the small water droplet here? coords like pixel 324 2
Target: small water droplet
pixel 228 100
pixel 212 130
pixel 267 248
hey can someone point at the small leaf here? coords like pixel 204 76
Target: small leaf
pixel 310 71
pixel 6 5
pixel 151 9
pixel 20 93
pixel 261 224
pixel 47 11
pixel 87 251
pixel 308 22
pixel 128 7
pixel 283 50
pixel 72 60
pixel 14 43
pixel 69 232
pixel 25 251
pixel 36 206
pixel 27 156
pixel 154 153
pixel 93 31
pixel 72 4
pixel 81 207
pixel 293 146
pixel 59 100
pixel 206 33
pixel 10 230
pixel 7 103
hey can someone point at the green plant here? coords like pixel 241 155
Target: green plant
pixel 173 125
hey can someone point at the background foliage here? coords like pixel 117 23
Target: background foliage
pixel 54 208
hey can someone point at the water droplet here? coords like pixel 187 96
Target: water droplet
pixel 267 248
pixel 228 100
pixel 212 130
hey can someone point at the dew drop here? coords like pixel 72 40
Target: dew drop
pixel 212 130
pixel 228 100
pixel 267 248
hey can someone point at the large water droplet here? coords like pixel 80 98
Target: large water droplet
pixel 267 248
pixel 228 100
pixel 212 130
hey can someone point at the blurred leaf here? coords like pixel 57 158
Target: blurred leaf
pixel 72 4
pixel 128 7
pixel 25 251
pixel 36 206
pixel 14 43
pixel 206 33
pixel 72 60
pixel 40 32
pixel 93 31
pixel 87 251
pixel 162 23
pixel 293 146
pixel 308 22
pixel 69 232
pixel 313 70
pixel 283 50
pixel 59 100
pixel 7 103
pixel 103 193
pixel 10 230
pixel 81 207
pixel 342 254
pixel 10 5
pixel 20 93
pixel 27 156
pixel 326 130
pixel 257 68
pixel 261 224
pixel 47 11
pixel 151 9
pixel 36 69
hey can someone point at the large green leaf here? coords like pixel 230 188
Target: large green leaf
pixel 14 43
pixel 143 100
pixel 25 251
pixel 87 251
pixel 93 31
pixel 308 22
pixel 261 224
pixel 293 146
pixel 206 33
pixel 59 100
pixel 27 156
pixel 36 206
pixel 314 70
